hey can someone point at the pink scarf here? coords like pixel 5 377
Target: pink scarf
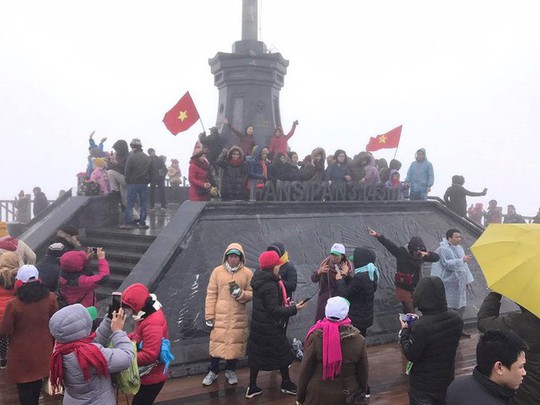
pixel 331 345
pixel 283 293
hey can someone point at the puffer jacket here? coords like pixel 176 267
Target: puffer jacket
pixel 137 169
pixel 228 338
pixel 234 176
pixel 268 346
pixel 431 343
pixel 73 323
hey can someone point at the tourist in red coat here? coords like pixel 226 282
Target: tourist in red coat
pixel 199 183
pixel 279 142
pixel 150 329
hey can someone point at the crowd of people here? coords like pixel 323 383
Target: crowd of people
pixel 52 303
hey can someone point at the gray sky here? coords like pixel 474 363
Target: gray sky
pixel 461 77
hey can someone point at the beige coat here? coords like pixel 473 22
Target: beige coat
pixel 228 339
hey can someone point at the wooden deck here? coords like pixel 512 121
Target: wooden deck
pixel 387 380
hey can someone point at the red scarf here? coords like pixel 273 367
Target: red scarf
pixel 283 293
pixel 87 354
pixel 235 162
pixel 331 345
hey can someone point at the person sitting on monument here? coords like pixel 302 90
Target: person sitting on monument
pixel 282 169
pixel 279 142
pixel 258 167
pixel 11 244
pixel 247 138
pixel 339 171
pixel 318 157
pixel 233 175
pixel 395 184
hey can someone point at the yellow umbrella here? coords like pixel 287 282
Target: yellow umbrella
pixel 509 256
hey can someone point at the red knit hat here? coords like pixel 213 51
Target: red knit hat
pixel 73 261
pixel 135 296
pixel 268 260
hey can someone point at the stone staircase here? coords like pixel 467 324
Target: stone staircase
pixel 123 250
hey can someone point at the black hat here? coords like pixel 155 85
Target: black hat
pixel 70 230
pixel 277 247
pixel 415 244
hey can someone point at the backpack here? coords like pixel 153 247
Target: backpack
pixel 128 380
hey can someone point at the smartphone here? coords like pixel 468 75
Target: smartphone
pixel 305 300
pixel 116 301
pixel 94 249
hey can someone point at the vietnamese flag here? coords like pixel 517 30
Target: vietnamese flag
pixel 182 116
pixel 385 141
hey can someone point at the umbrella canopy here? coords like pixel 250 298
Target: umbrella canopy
pixel 509 256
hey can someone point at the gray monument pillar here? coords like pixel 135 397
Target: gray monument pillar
pixel 249 80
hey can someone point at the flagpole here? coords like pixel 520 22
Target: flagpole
pixel 395 153
pixel 200 119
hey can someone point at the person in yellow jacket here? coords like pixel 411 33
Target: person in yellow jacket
pixel 229 290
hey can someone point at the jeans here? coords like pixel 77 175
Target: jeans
pixel 134 190
pixel 417 397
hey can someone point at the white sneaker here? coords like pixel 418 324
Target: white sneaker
pixel 210 378
pixel 231 377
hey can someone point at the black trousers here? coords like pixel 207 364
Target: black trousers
pixel 147 394
pixel 160 184
pixel 417 397
pixel 229 365
pixel 29 392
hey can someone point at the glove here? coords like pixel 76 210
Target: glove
pixel 209 323
pixel 237 292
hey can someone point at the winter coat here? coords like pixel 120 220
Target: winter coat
pixel 431 343
pixel 198 175
pixel 234 176
pixel 371 172
pixel 337 172
pixel 284 171
pixel 385 173
pixel 477 389
pixel 454 273
pixel 401 187
pixel 10 244
pixel 328 285
pixel 281 143
pixel 287 272
pixel 213 143
pixel 30 342
pixel 420 176
pixel 526 325
pixel 513 219
pixel 455 198
pixel 158 169
pixel 268 346
pixel 148 334
pixel 137 168
pixel 121 154
pixel 74 323
pixel 40 203
pixel 406 263
pixel 5 296
pixel 228 338
pixel 256 170
pixel 247 142
pixel 319 166
pixel 79 288
pixel 174 174
pixel 312 389
pixel 49 272
pixel 100 176
pixel 360 292
pixel 493 216
pixel 356 170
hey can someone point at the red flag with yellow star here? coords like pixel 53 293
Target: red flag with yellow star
pixel 182 116
pixel 385 141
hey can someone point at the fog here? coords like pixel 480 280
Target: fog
pixel 461 77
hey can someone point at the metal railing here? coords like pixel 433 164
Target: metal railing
pixel 15 211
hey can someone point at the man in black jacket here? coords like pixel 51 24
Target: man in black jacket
pixel 500 358
pixel 526 325
pixel 430 344
pixel 158 171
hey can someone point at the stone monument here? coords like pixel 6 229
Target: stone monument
pixel 249 80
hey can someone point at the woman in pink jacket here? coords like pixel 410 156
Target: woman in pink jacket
pixel 77 284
